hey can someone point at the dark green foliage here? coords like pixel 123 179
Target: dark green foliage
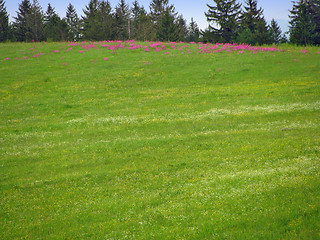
pixel 122 21
pixel 275 32
pixel 73 24
pixel 168 29
pixel 193 32
pixel 35 22
pixel 251 15
pixel 22 29
pixel 303 29
pixel 225 18
pixel 252 19
pixel 157 11
pixel 55 28
pixel 105 21
pixel 90 21
pixel 182 29
pixel 4 22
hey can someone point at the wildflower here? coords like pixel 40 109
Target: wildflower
pixel 65 64
pixel 106 59
pixel 81 51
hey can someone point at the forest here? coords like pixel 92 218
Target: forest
pixel 229 22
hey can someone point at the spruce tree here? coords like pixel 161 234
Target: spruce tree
pixel 251 15
pixel 182 29
pixel 157 11
pixel 167 28
pixel 303 24
pixel 122 20
pixel 136 12
pixel 21 27
pixel 4 22
pixel 193 32
pixel 35 22
pixel 55 28
pixel 224 15
pixel 252 19
pixel 90 21
pixel 73 23
pixel 275 32
pixel 105 21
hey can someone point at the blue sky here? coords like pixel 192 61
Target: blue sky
pixel 277 9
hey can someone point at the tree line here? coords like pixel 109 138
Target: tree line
pixel 232 23
pixel 99 22
pixel 229 21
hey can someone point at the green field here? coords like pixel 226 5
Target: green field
pixel 98 143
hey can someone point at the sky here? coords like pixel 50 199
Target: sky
pixel 277 9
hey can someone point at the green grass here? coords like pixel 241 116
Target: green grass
pixel 191 146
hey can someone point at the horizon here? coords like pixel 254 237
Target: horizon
pixel 185 8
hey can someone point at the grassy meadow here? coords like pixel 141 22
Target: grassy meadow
pixel 135 140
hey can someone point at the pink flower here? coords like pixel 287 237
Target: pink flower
pixel 65 64
pixel 81 51
pixel 295 60
pixel 147 50
pixel 106 59
pixel 35 56
pixel 7 59
pixel 167 53
pixel 304 51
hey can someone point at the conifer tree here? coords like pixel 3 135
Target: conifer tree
pixel 252 19
pixel 224 15
pixel 4 22
pixel 35 22
pixel 193 32
pixel 303 24
pixel 122 20
pixel 157 11
pixel 55 28
pixel 21 27
pixel 275 32
pixel 105 21
pixel 136 12
pixel 167 29
pixel 90 21
pixel 182 29
pixel 73 23
pixel 251 15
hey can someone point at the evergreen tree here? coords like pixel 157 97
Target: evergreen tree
pixel 35 22
pixel 275 32
pixel 21 28
pixel 167 28
pixel 315 9
pixel 145 30
pixel 251 16
pixel 105 21
pixel 73 24
pixel 182 29
pixel 303 23
pixel 90 21
pixel 252 19
pixel 55 29
pixel 224 15
pixel 122 20
pixel 261 34
pixel 157 11
pixel 4 22
pixel 193 32
pixel 136 12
